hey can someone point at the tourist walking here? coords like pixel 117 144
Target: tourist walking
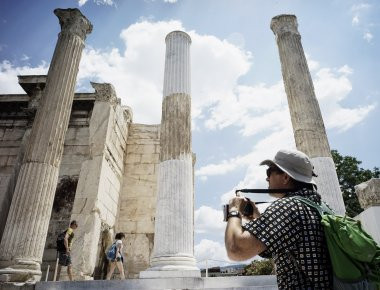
pixel 64 243
pixel 115 256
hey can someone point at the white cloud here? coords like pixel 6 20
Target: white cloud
pixel 82 2
pixel 208 220
pixel 137 73
pixel 368 36
pixel 97 2
pixel 212 251
pixel 312 64
pixel 360 6
pixel 332 87
pixel 25 57
pixel 8 76
pixel 170 1
pixel 361 19
pixel 355 20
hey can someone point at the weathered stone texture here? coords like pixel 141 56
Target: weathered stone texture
pixel 138 195
pixel 173 253
pixel 97 196
pixel 137 250
pixel 34 192
pixel 369 193
pixel 175 127
pixel 369 198
pixel 308 127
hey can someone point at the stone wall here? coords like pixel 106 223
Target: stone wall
pixel 109 165
pixel 13 125
pixel 138 196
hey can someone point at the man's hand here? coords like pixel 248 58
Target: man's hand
pixel 239 203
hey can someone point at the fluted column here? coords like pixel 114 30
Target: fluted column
pixel 24 237
pixel 173 253
pixel 308 127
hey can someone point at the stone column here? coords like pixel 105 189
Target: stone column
pixel 369 198
pixel 173 253
pixel 23 241
pixel 308 127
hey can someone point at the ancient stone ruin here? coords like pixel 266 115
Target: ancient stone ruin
pixel 67 155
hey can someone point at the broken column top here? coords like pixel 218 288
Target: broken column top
pixel 177 33
pixel 368 193
pixel 32 82
pixel 284 23
pixel 73 21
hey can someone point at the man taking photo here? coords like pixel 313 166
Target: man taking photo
pixel 288 231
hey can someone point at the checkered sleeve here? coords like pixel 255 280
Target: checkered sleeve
pixel 278 227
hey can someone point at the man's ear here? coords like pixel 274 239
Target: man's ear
pixel 286 179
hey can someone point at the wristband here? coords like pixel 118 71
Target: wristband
pixel 233 213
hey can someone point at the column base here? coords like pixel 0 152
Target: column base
pixel 21 271
pixel 170 267
pixel 170 274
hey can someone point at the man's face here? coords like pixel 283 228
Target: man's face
pixel 275 178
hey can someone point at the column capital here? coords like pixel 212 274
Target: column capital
pixel 284 23
pixel 105 92
pixel 369 193
pixel 73 21
pixel 128 114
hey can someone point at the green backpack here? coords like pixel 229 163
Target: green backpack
pixel 354 255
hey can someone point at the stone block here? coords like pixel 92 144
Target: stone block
pixel 142 149
pixel 13 134
pixel 141 169
pixel 80 150
pixel 145 226
pixel 132 158
pixel 136 140
pixel 11 160
pixel 138 207
pixel 127 226
pixel 150 158
pixel 369 193
pixel 141 190
pixel 84 205
pixel 9 150
pixel 77 136
pixel 138 248
pixel 3 160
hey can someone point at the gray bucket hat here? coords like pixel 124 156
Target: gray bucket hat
pixel 295 163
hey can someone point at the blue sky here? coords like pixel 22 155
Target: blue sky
pixel 239 106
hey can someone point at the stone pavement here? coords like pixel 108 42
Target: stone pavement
pixel 220 283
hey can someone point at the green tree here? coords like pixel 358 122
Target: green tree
pixel 262 267
pixel 350 174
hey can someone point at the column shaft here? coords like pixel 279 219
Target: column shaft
pixel 173 253
pixel 25 232
pixel 308 127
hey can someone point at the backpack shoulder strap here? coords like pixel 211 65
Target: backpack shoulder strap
pixel 322 209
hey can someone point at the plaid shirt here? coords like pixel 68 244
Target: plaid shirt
pixel 295 240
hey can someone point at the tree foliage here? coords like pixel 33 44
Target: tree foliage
pixel 350 174
pixel 263 267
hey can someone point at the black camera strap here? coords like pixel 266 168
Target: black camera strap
pixel 266 190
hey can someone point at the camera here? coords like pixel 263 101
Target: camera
pixel 247 211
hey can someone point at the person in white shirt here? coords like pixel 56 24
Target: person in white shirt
pixel 118 261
